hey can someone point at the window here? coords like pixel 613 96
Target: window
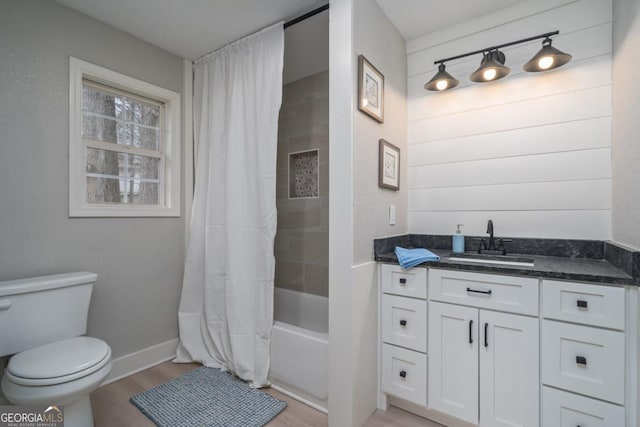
pixel 124 146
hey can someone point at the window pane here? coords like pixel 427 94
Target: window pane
pixel 143 137
pixel 105 103
pixel 144 193
pixel 143 167
pixel 121 191
pixel 140 112
pixel 106 162
pixel 102 129
pixel 104 190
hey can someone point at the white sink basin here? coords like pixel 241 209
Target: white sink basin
pixel 518 262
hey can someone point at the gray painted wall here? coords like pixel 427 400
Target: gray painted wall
pixel 139 261
pixel 306 48
pixel 626 119
pixel 376 38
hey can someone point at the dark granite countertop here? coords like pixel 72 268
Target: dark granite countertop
pixel 616 267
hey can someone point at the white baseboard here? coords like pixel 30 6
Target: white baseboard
pixel 140 360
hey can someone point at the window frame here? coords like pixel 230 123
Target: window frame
pixel 170 144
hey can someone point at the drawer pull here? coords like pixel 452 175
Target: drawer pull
pixel 486 340
pixel 470 332
pixel 403 374
pixel 581 360
pixel 582 303
pixel 403 280
pixel 476 291
pixel 5 304
pixel 403 322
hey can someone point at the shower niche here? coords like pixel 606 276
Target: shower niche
pixel 304 176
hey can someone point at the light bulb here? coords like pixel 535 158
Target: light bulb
pixel 442 84
pixel 489 74
pixel 545 62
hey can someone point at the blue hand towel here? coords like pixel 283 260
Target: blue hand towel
pixel 411 257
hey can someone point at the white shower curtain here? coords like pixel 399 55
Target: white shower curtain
pixel 226 309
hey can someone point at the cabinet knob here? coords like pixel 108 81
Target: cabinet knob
pixel 403 322
pixel 581 360
pixel 582 303
pixel 403 281
pixel 403 374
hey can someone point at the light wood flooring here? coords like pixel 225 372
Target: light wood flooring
pixel 111 406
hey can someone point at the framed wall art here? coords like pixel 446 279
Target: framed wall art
pixel 370 90
pixel 389 166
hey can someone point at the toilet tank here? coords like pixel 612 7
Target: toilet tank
pixel 41 310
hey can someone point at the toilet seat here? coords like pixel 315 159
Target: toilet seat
pixel 58 362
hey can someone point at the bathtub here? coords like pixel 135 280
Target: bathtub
pixel 300 347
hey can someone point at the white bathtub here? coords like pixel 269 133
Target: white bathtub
pixel 300 347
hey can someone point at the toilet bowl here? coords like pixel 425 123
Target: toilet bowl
pixel 51 364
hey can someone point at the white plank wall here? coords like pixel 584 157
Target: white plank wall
pixel 532 152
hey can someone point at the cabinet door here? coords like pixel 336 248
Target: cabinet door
pixel 509 370
pixel 453 361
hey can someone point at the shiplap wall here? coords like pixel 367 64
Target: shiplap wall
pixel 532 151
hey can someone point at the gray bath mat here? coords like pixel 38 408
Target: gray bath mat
pixel 206 397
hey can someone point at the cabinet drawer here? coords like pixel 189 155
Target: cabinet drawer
pixel 404 374
pixel 595 305
pixel 497 292
pixel 583 359
pixel 398 281
pixel 404 322
pixel 563 409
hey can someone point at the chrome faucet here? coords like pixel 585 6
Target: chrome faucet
pixel 492 243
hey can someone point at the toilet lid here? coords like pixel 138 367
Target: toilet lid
pixel 59 359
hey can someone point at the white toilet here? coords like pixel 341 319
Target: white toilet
pixel 41 323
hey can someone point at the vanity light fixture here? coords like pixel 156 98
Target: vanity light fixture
pixel 442 80
pixel 547 58
pixel 492 65
pixel 491 68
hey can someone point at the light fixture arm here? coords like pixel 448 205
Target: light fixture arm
pixel 488 49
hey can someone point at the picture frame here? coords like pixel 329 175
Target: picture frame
pixel 389 165
pixel 370 90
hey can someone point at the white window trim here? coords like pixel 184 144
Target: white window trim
pixel 78 207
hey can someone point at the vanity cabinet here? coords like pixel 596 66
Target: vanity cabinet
pixel 483 364
pixel 491 350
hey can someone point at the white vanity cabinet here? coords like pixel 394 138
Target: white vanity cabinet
pixel 476 349
pixel 483 364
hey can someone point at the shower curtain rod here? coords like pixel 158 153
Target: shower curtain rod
pixel 307 15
